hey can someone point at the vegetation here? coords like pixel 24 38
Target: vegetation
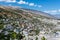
pixel 43 38
pixel 14 21
pixel 36 38
pixel 37 31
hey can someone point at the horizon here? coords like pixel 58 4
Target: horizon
pixel 47 6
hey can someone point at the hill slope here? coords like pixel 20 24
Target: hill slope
pixel 15 21
pixel 25 17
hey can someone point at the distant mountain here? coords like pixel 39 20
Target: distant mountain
pixel 40 13
pixel 57 16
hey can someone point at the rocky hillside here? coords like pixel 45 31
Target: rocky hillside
pixel 12 18
pixel 24 18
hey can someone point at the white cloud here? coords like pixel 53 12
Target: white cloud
pixel 27 3
pixel 1 0
pixel 31 4
pixel 47 11
pixel 8 0
pixel 51 11
pixel 22 2
pixel 59 10
pixel 11 1
pixel 54 12
pixel 39 6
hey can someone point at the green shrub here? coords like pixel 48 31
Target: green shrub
pixel 43 38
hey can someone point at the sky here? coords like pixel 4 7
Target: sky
pixel 48 6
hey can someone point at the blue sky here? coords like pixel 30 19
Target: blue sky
pixel 48 6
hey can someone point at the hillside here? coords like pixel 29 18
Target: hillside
pixel 24 20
